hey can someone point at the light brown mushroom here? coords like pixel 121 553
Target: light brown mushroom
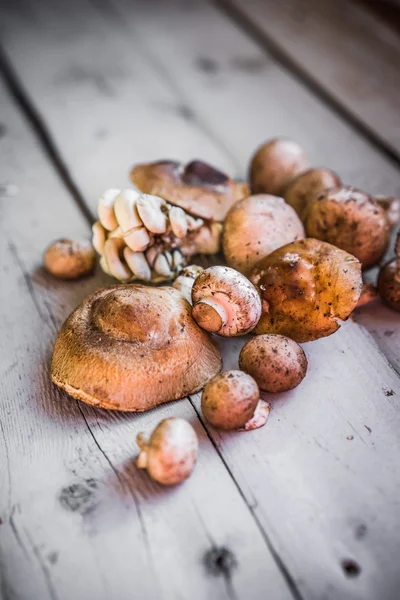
pixel 170 454
pixel 255 227
pixel 391 206
pixel 351 220
pixel 132 347
pixel 275 164
pixel 196 187
pixel 184 282
pixel 231 400
pixel 306 288
pixel 389 280
pixel 225 302
pixel 69 259
pixel 307 186
pixel 276 362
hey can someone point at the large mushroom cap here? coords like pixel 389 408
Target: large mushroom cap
pixel 132 347
pixel 196 187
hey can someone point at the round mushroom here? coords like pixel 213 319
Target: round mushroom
pixel 351 220
pixel 276 362
pixel 307 186
pixel 275 164
pixel 170 454
pixel 389 280
pixel 255 227
pixel 132 347
pixel 306 287
pixel 196 187
pixel 69 259
pixel 225 302
pixel 231 400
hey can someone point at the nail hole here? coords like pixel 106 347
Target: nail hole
pixel 351 568
pixel 220 561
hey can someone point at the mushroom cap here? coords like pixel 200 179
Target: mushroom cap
pixel 389 284
pixel 225 302
pixel 69 259
pixel 276 362
pixel 230 399
pixel 351 220
pixel 255 227
pixel 197 187
pixel 307 186
pixel 275 164
pixel 132 347
pixel 306 286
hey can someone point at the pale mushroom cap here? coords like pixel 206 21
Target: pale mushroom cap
pixel 196 187
pixel 307 186
pixel 276 362
pixel 255 227
pixel 69 259
pixel 132 347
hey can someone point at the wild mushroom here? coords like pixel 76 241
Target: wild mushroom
pixel 351 220
pixel 170 454
pixel 391 206
pixel 306 287
pixel 275 164
pixel 69 259
pixel 225 302
pixel 231 400
pixel 389 280
pixel 255 227
pixel 276 362
pixel 132 347
pixel 184 282
pixel 197 187
pixel 307 186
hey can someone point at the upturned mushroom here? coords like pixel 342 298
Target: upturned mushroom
pixel 132 347
pixel 307 186
pixel 69 259
pixel 389 280
pixel 306 288
pixel 277 363
pixel 275 164
pixel 225 302
pixel 255 227
pixel 231 400
pixel 169 455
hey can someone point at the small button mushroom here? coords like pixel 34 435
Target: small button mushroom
pixel 231 400
pixel 69 259
pixel 170 454
pixel 275 164
pixel 255 227
pixel 225 302
pixel 389 280
pixel 307 186
pixel 276 362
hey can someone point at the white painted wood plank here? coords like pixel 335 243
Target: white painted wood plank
pixel 78 520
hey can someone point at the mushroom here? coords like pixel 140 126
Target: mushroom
pixel 275 164
pixel 170 454
pixel 307 186
pixel 69 259
pixel 197 187
pixel 306 286
pixel 225 302
pixel 132 347
pixel 391 206
pixel 389 280
pixel 276 362
pixel 255 227
pixel 231 400
pixel 351 220
pixel 184 282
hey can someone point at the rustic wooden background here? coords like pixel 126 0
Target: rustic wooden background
pixel 306 508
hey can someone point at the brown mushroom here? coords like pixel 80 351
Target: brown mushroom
pixel 307 186
pixel 170 454
pixel 69 259
pixel 255 227
pixel 351 220
pixel 225 302
pixel 391 206
pixel 132 347
pixel 389 280
pixel 276 362
pixel 306 287
pixel 231 400
pixel 196 187
pixel 275 164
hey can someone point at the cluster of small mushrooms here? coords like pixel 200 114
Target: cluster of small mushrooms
pixel 295 248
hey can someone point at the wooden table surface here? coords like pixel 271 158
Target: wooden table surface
pixel 307 507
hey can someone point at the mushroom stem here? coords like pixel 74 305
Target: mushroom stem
pixel 143 443
pixel 210 315
pixel 259 418
pixel 397 251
